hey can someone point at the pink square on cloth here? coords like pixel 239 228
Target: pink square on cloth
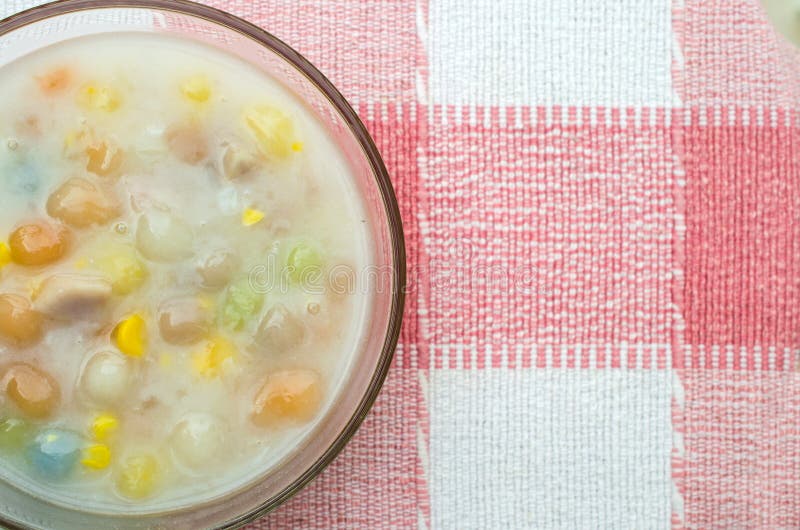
pixel 548 233
pixel 743 238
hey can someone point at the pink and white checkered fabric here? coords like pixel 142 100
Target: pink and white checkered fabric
pixel 602 207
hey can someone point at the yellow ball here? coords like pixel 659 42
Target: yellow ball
pixel 273 131
pixel 124 269
pixel 138 476
pixel 196 89
pixel 98 97
pixel 211 362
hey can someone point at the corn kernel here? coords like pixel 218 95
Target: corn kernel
pixel 130 335
pixel 297 147
pixel 272 129
pixel 210 362
pixel 137 477
pixel 104 426
pixel 103 98
pixel 96 456
pixel 197 89
pixel 251 216
pixel 5 255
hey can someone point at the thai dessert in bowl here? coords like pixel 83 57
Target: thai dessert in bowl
pixel 181 298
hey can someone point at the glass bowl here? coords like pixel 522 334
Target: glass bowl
pixel 50 24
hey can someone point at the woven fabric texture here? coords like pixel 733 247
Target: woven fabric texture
pixel 602 209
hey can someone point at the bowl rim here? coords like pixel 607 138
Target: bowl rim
pixel 357 128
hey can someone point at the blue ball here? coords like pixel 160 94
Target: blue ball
pixel 55 452
pixel 23 179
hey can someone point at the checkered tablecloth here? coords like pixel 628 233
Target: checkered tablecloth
pixel 602 208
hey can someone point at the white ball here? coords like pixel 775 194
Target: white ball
pixel 197 439
pixel 161 237
pixel 107 377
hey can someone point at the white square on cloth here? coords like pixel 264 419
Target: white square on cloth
pixel 550 52
pixel 558 448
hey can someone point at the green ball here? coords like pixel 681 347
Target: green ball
pixel 14 434
pixel 241 303
pixel 304 262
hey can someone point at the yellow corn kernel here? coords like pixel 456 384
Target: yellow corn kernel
pixel 81 263
pixel 210 362
pixel 96 456
pixel 5 255
pixel 197 89
pixel 137 477
pixel 252 216
pixel 104 426
pixel 297 147
pixel 272 129
pixel 94 97
pixel 130 335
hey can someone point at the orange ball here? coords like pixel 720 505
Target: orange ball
pixel 19 322
pixel 38 243
pixel 80 203
pixel 34 391
pixel 55 81
pixel 287 396
pixel 104 160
